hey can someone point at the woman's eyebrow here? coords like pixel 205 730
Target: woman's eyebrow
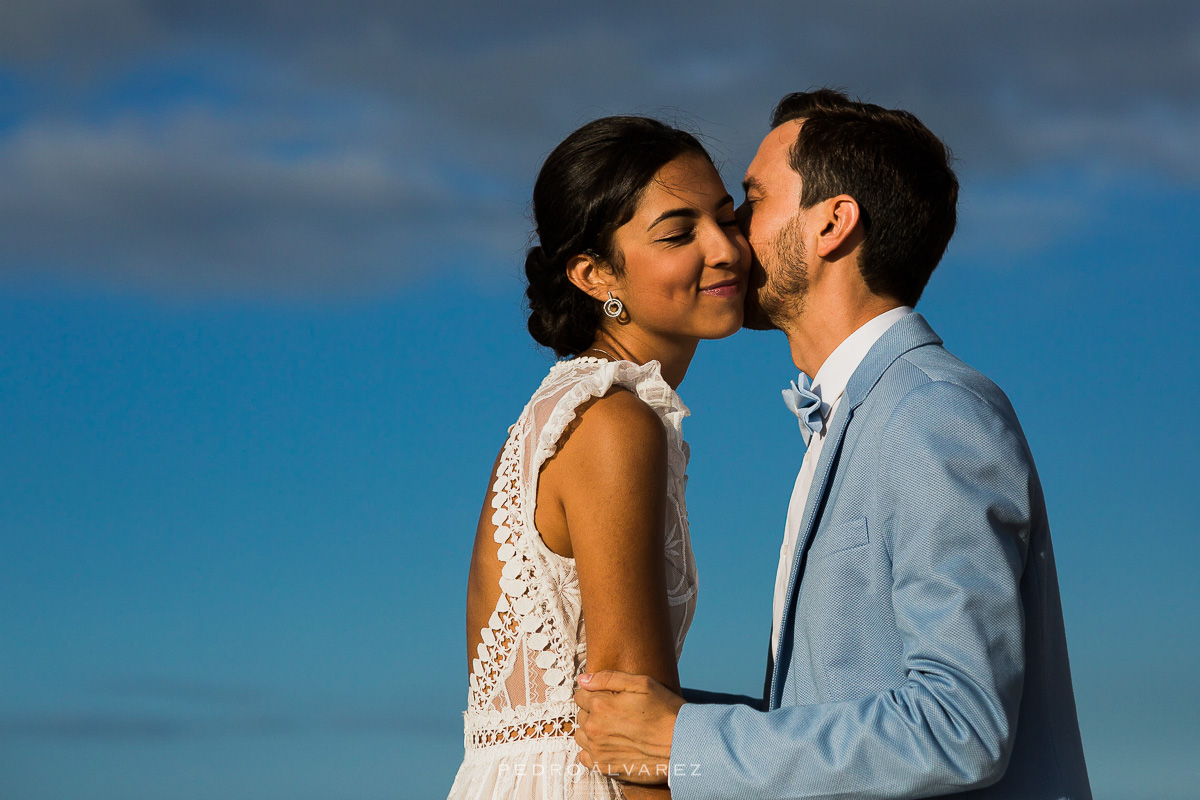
pixel 688 213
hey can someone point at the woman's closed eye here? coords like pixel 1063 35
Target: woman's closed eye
pixel 678 237
pixel 684 236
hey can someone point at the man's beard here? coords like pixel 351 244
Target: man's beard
pixel 778 283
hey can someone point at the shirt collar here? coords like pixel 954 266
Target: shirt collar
pixel 831 379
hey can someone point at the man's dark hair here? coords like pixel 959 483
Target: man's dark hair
pixel 897 171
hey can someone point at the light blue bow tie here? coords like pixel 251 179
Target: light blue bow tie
pixel 806 405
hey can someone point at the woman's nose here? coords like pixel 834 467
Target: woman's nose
pixel 724 246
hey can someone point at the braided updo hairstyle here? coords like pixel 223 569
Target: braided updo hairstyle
pixel 589 186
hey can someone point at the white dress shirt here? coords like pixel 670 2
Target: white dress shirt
pixel 830 384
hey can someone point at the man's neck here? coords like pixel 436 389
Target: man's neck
pixel 818 331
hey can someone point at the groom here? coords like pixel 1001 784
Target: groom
pixel 917 642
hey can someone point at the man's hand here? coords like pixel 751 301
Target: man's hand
pixel 625 725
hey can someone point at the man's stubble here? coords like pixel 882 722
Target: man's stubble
pixel 779 281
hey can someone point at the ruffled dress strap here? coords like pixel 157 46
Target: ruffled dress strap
pixel 594 377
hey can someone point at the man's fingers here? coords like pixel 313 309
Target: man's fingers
pixel 580 717
pixel 616 710
pixel 585 744
pixel 609 680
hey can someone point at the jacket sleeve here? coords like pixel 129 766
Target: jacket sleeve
pixel 954 475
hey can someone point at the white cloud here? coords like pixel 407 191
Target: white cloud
pixel 200 204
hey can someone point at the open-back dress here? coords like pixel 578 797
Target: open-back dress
pixel 520 715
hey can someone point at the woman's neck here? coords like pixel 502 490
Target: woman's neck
pixel 674 356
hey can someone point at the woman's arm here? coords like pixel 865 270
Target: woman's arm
pixel 607 486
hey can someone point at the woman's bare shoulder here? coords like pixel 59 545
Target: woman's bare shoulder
pixel 617 429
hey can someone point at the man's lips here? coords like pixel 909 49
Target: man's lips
pixel 727 288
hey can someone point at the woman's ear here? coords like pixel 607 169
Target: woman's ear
pixel 589 273
pixel 839 227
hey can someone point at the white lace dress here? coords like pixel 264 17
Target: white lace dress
pixel 520 714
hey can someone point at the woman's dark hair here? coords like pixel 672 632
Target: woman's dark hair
pixel 589 186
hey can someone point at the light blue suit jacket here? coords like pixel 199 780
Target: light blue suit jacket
pixel 922 650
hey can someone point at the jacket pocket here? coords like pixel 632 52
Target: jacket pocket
pixel 840 537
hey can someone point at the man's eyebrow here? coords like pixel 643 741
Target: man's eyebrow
pixel 751 183
pixel 688 213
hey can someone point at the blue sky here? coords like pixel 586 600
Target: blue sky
pixel 261 336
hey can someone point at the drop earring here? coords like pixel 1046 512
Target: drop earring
pixel 613 307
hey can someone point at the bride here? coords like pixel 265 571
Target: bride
pixel 582 560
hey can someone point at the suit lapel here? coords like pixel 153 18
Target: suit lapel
pixel 908 333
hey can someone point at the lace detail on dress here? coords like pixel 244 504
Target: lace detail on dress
pixel 524 723
pixel 534 646
pixel 520 661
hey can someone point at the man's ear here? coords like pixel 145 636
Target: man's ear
pixel 589 273
pixel 840 227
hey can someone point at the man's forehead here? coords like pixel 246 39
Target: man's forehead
pixel 781 138
pixel 775 150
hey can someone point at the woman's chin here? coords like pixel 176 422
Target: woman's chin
pixel 726 327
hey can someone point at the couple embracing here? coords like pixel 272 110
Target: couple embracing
pixel 917 644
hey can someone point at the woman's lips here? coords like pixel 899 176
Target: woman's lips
pixel 724 289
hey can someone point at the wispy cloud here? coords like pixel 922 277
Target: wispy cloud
pixel 181 204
